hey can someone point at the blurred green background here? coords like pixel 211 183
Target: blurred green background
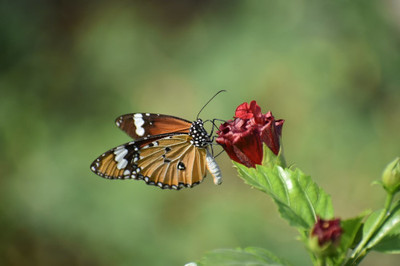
pixel 69 68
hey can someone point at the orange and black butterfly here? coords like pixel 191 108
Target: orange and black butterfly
pixel 168 152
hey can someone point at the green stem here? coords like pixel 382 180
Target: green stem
pixel 361 250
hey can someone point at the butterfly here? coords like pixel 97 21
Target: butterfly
pixel 167 151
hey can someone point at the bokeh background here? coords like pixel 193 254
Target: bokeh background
pixel 69 68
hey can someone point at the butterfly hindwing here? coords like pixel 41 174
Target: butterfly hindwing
pixel 117 163
pixel 167 161
pixel 139 125
pixel 172 163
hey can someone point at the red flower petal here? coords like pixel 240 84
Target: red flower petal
pixel 242 111
pixel 225 140
pixel 240 143
pixel 246 111
pixel 248 148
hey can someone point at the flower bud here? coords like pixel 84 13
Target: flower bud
pixel 325 237
pixel 391 176
pixel 243 137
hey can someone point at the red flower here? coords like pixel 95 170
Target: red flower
pixel 327 231
pixel 242 138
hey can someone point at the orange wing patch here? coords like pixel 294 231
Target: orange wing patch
pixel 173 162
pixel 108 166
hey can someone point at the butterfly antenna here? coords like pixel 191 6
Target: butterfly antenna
pixel 208 103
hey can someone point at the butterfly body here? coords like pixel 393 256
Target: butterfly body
pixel 168 152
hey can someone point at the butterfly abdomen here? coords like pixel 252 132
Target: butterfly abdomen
pixel 214 169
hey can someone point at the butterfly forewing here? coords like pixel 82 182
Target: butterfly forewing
pixel 167 161
pixel 139 125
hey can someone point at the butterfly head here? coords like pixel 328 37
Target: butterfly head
pixel 199 134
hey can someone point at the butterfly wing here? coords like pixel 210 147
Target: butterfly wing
pixel 139 125
pixel 168 161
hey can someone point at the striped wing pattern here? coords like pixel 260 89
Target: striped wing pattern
pixel 139 125
pixel 168 161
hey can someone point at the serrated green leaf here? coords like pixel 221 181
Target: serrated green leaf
pixel 299 199
pixel 247 256
pixel 247 175
pixel 387 238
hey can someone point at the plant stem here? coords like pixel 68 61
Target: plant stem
pixel 361 250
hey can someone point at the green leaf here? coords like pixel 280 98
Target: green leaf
pixel 247 256
pixel 370 223
pixel 387 238
pixel 299 199
pixel 390 244
pixel 350 229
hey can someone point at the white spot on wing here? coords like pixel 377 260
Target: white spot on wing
pixel 122 164
pixel 120 154
pixel 140 131
pixel 119 121
pixel 139 122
